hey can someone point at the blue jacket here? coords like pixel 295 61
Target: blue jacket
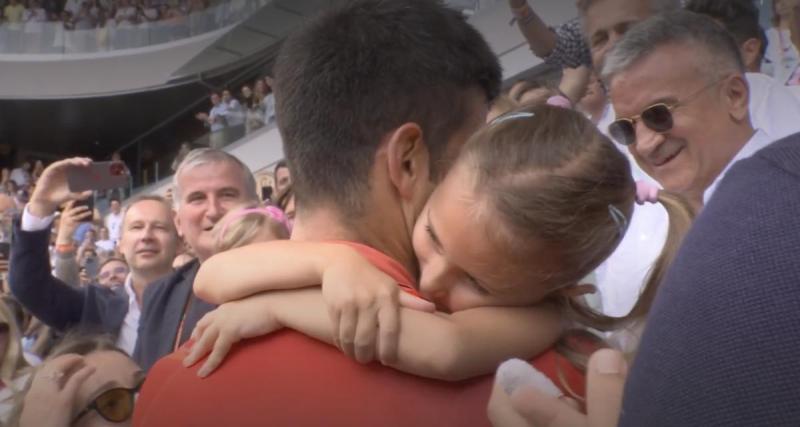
pixel 721 344
pixel 92 309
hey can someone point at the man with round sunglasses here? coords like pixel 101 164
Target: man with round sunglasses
pixel 682 102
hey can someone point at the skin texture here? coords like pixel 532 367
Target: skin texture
pixel 458 256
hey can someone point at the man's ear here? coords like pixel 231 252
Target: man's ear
pixel 737 95
pixel 751 54
pixel 407 157
pixel 177 222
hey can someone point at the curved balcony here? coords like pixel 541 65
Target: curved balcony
pixel 128 28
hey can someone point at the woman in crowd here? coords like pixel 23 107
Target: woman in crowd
pixel 539 192
pixel 783 48
pixel 13 367
pixel 86 382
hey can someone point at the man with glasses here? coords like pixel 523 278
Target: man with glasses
pixel 148 243
pixel 720 343
pixel 113 273
pixel 681 98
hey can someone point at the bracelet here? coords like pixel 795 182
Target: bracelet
pixel 65 248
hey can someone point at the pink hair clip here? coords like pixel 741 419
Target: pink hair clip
pixel 646 193
pixel 560 101
pixel 268 211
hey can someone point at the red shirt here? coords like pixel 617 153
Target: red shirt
pixel 288 379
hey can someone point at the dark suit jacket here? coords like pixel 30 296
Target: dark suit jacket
pixel 163 306
pixel 92 309
pixel 721 343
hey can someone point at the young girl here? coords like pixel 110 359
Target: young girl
pixel 250 224
pixel 534 203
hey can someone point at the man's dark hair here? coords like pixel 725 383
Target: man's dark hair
pixel 356 72
pixel 739 17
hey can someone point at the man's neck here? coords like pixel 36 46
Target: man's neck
pixel 323 224
pixel 140 281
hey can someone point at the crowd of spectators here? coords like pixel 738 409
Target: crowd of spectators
pixel 41 26
pixel 233 116
pixel 438 238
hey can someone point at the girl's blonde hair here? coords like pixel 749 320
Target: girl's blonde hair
pixel 241 227
pixel 550 177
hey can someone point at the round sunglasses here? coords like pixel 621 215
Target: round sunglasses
pixel 114 405
pixel 657 117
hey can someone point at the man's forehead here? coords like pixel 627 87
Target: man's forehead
pixel 148 210
pixel 665 74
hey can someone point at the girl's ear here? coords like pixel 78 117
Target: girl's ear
pixel 573 291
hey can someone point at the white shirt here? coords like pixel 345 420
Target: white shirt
pixel 773 107
pixel 758 141
pixel 114 226
pixel 20 176
pixel 126 340
pixel 235 113
pixel 219 110
pixel 781 58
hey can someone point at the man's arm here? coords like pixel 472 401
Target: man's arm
pixel 562 47
pixel 54 302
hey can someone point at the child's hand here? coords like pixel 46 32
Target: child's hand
pixel 230 323
pixel 364 303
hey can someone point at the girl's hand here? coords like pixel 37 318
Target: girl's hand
pixel 230 323
pixel 51 398
pixel 363 303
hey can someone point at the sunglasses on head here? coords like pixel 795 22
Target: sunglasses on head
pixel 114 405
pixel 657 117
pixel 118 270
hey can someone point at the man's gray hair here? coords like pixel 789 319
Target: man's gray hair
pixel 203 156
pixel 721 56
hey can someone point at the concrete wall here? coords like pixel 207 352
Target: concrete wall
pixel 259 150
pixel 80 75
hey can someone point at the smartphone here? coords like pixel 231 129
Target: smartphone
pixel 89 203
pixel 97 176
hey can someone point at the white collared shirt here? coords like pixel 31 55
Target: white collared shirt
pixel 758 141
pixel 126 340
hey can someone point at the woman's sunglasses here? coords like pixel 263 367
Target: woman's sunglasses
pixel 657 117
pixel 115 405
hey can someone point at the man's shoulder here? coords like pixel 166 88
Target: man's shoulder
pixel 166 283
pixel 783 154
pixel 309 374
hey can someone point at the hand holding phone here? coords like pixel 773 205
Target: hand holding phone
pixel 52 189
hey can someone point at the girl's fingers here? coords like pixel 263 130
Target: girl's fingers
pixel 221 348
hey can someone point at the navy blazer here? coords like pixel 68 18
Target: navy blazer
pixel 721 343
pixel 163 306
pixel 92 309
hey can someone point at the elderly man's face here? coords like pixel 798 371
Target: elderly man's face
pixel 207 192
pixel 688 157
pixel 606 21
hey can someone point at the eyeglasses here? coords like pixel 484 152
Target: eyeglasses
pixel 657 117
pixel 115 405
pixel 119 270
